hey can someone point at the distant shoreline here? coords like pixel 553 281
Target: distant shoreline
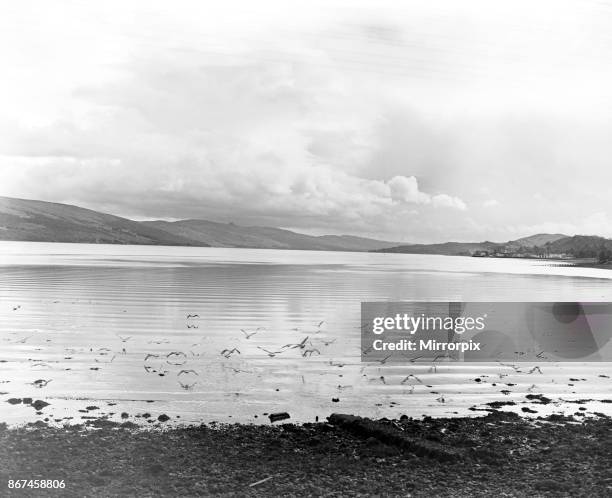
pixel 575 262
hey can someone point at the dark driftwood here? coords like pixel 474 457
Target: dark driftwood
pixel 366 428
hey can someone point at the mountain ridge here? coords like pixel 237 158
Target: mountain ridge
pixel 43 221
pixel 548 245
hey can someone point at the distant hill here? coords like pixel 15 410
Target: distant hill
pixel 40 221
pixel 231 235
pixel 580 246
pixel 446 248
pixel 543 244
pixel 31 220
pixel 537 240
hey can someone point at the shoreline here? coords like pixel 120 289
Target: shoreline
pixel 500 453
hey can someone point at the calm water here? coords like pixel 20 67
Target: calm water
pixel 85 317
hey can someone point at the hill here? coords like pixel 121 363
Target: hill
pixel 446 248
pixel 540 245
pixel 31 220
pixel 537 240
pixel 231 235
pixel 580 246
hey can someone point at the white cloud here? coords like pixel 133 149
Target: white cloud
pixel 351 118
pixel 443 200
pixel 406 189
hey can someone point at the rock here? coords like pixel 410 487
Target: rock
pixel 499 404
pixel 275 417
pixel 539 397
pixel 163 418
pixel 125 415
pixel 155 469
pixel 14 401
pixel 96 481
pixel 335 400
pixel 27 401
pixel 39 424
pixel 397 440
pixel 39 404
pixel 551 485
pixel 92 407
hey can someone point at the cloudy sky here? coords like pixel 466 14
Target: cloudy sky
pixel 413 121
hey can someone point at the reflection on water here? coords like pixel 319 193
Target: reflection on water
pixel 84 317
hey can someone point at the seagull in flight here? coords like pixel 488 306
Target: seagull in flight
pixel 271 354
pixel 249 335
pixel 191 371
pixel 229 352
pixel 178 357
pixel 100 361
pixel 384 360
pixel 300 345
pixel 411 376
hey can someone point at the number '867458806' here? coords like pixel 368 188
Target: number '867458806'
pixel 36 483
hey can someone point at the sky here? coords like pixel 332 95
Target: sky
pixel 412 121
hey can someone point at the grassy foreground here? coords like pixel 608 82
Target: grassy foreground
pixel 500 454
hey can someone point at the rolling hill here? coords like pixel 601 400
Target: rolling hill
pixel 31 220
pixel 230 235
pixel 537 240
pixel 445 248
pixel 542 245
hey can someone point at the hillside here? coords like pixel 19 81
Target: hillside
pixel 580 246
pixel 446 248
pixel 540 245
pixel 231 235
pixel 537 240
pixel 30 220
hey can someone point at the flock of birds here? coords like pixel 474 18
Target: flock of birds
pixel 161 363
pixel 186 368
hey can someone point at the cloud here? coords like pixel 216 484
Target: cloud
pixel 406 189
pixel 388 122
pixel 443 200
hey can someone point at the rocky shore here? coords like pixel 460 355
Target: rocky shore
pixel 500 454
